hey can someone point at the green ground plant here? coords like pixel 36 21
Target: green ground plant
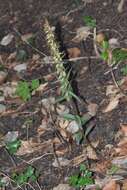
pixel 89 21
pixel 13 146
pixel 24 89
pixel 29 175
pixel 82 179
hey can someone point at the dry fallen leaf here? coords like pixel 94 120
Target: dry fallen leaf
pixel 62 161
pixel 62 187
pixel 7 40
pixel 114 101
pixel 92 109
pixel 122 147
pixel 3 76
pixel 102 166
pixel 100 38
pixel 120 6
pixel 25 37
pixel 91 154
pixel 28 147
pixel 111 185
pixel 81 34
pixel 124 187
pixel 73 52
pixel 78 159
pixel 111 90
pixel 124 129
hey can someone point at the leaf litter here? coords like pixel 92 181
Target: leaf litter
pixel 52 128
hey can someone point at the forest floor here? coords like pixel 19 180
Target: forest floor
pixel 39 134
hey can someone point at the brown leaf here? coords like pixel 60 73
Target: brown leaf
pixel 25 37
pixel 102 166
pixel 114 101
pixel 124 129
pixel 81 34
pixel 91 154
pixel 100 38
pixel 92 108
pixel 78 160
pixel 111 185
pixel 122 147
pixel 124 187
pixel 73 52
pixel 28 147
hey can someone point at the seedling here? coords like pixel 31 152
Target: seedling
pixel 13 146
pixel 30 174
pixel 24 89
pixel 82 179
pixel 89 21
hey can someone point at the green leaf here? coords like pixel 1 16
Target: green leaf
pixel 104 55
pixel 21 55
pixel 78 137
pixel 23 90
pixel 31 40
pixel 124 70
pixel 3 183
pixel 68 116
pixel 119 55
pixel 24 177
pixel 105 45
pixel 89 21
pixel 73 180
pixel 21 179
pixel 83 181
pixel 29 172
pixel 33 178
pixel 34 84
pixel 74 96
pixel 82 167
pixel 13 146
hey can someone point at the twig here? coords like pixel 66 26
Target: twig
pixel 75 10
pixel 55 155
pixel 38 185
pixel 94 43
pixel 6 175
pixel 116 83
pixel 11 158
pixel 120 6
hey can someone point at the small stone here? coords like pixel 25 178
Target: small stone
pixel 73 127
pixel 113 42
pixel 11 136
pixel 7 40
pixel 20 67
